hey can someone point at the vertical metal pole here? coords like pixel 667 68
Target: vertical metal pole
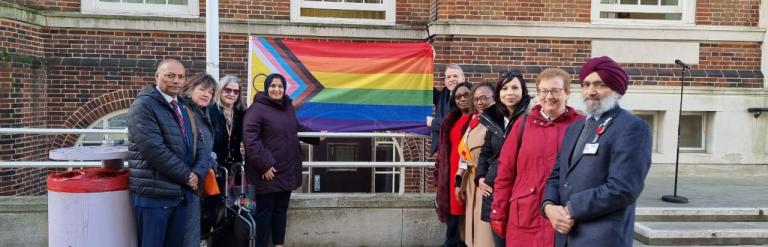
pixel 401 153
pixel 212 38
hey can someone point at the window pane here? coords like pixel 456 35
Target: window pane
pixel 118 122
pixel 305 151
pixel 648 118
pixel 387 183
pixel 384 153
pixel 156 1
pixel 133 1
pixel 649 2
pixel 669 2
pixel 642 16
pixel 347 14
pixel 342 152
pixel 177 2
pixel 630 2
pixel 608 1
pixel 691 131
pixel 373 1
pixel 110 1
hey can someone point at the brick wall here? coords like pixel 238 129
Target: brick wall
pixel 50 5
pixel 22 104
pixel 728 13
pixel 482 58
pixel 516 10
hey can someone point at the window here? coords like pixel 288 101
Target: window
pixel 652 119
pixel 306 151
pixel 373 12
pixel 386 179
pixel 163 8
pixel 693 131
pixel 644 11
pixel 114 120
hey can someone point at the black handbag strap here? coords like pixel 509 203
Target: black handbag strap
pixel 520 137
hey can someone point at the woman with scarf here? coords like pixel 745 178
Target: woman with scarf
pixel 477 232
pixel 272 157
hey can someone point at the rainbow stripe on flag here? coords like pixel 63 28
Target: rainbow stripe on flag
pixel 349 86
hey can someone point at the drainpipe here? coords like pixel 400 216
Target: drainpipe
pixel 763 23
pixel 212 38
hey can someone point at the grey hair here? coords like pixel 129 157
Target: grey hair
pixel 227 79
pixel 456 67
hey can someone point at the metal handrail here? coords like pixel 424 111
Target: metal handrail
pixel 53 131
pixel 395 136
pixel 310 164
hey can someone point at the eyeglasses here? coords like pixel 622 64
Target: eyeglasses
pixel 464 95
pixel 482 98
pixel 230 91
pixel 510 73
pixel 555 91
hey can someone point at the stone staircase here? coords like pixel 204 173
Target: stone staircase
pixel 675 226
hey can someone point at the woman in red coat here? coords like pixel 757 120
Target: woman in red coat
pixel 450 209
pixel 522 173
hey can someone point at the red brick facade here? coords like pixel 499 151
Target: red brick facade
pixel 515 10
pixel 54 77
pixel 728 13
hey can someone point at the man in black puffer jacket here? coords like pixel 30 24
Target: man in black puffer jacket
pixel 167 164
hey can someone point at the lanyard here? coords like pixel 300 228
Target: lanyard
pixel 601 128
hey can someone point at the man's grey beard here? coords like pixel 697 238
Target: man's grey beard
pixel 606 104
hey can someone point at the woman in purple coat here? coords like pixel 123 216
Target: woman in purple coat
pixel 272 157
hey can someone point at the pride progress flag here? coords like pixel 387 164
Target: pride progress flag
pixel 349 86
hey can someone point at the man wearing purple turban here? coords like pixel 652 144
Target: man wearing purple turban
pixel 601 166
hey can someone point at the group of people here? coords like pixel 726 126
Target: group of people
pixel 508 174
pixel 182 129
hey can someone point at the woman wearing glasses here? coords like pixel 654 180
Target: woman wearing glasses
pixel 512 100
pixel 521 176
pixel 477 232
pixel 449 209
pixel 226 116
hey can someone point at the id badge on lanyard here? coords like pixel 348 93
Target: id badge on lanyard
pixel 591 148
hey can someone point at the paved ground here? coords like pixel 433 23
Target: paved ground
pixel 707 192
pixel 721 191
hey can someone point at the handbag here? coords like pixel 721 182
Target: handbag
pixel 210 186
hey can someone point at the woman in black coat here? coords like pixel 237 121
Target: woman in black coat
pixel 272 157
pixel 226 115
pixel 512 101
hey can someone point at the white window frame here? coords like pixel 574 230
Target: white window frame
pixel 394 171
pixel 96 7
pixel 704 129
pixel 654 126
pixel 686 7
pixel 104 125
pixel 388 6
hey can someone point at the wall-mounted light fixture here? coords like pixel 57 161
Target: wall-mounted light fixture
pixel 757 111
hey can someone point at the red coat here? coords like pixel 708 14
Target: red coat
pixel 519 186
pixel 443 167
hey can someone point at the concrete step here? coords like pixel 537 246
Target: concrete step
pixel 699 214
pixel 702 233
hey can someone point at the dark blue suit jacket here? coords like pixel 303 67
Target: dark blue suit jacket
pixel 600 189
